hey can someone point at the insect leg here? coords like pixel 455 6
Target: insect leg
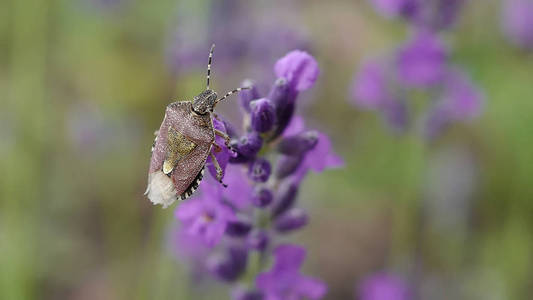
pixel 218 169
pixel 225 136
pixel 217 147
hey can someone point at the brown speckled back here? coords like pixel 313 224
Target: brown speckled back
pixel 198 129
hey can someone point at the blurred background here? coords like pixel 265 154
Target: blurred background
pixel 84 84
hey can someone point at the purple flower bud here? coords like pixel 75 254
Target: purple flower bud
pixel 298 144
pixel 287 165
pixel 262 197
pixel 285 198
pixel 299 68
pixel 258 240
pixel 238 228
pixel 246 147
pixel 259 170
pixel 291 220
pixel 237 157
pixel 247 96
pixel 283 99
pixel 262 115
pixel 230 265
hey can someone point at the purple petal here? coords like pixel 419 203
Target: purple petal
pixel 370 87
pixel 518 22
pixel 239 190
pixel 322 156
pixel 310 287
pixel 462 99
pixel 383 287
pixel 288 257
pixel 296 126
pixel 299 68
pixel 188 210
pixel 422 61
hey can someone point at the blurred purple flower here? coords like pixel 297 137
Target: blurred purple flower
pixel 299 68
pixel 240 293
pixel 229 265
pixel 284 280
pixel 262 196
pixel 231 23
pixel 396 114
pixel 285 197
pixel 422 61
pixel 371 87
pixel 293 219
pixel 258 240
pixel 420 67
pixel 206 216
pixel 460 101
pixel 188 248
pixel 431 15
pixel 445 14
pixel 461 98
pixel 396 8
pixel 383 287
pixel 517 22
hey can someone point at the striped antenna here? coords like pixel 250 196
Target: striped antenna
pixel 234 91
pixel 209 64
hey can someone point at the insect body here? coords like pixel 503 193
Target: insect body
pixel 181 147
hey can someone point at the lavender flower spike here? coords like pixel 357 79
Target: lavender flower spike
pixel 225 226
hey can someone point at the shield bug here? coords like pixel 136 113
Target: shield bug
pixel 182 145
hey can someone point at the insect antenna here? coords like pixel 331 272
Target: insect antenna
pixel 234 91
pixel 209 64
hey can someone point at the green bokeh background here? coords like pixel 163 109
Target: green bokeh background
pixel 74 223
